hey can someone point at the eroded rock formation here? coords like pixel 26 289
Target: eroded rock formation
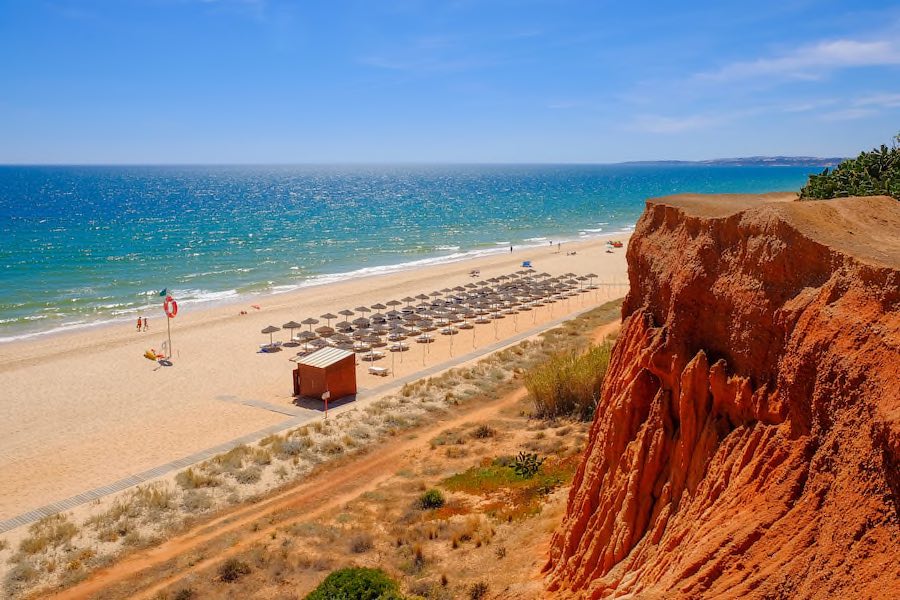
pixel 747 441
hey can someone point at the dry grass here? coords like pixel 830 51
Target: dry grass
pixel 192 479
pixel 49 532
pixel 362 542
pixel 568 384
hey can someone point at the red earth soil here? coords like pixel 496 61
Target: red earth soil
pixel 747 439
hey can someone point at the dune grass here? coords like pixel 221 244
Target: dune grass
pixel 51 531
pixel 568 384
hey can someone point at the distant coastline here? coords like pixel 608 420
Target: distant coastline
pixel 750 161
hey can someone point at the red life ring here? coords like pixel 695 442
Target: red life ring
pixel 171 307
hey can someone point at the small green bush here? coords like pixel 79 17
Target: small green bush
pixel 527 464
pixel 356 584
pixel 431 499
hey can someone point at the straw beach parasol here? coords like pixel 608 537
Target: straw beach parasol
pixel 291 326
pixel 271 329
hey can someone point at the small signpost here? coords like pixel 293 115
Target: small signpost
pixel 325 396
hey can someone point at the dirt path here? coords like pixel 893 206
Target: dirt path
pixel 316 494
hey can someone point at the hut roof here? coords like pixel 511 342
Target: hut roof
pixel 324 357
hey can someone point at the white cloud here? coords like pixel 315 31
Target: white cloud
pixel 879 100
pixel 849 114
pixel 813 62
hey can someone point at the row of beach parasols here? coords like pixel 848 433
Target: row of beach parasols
pixel 449 310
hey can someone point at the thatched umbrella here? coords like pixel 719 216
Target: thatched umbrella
pixel 408 299
pixel 340 338
pixel 305 337
pixel 378 306
pixel 343 325
pixel 325 331
pixel 393 303
pixel 399 332
pixel 374 339
pixel 310 321
pixel 271 329
pixel 361 322
pixel 328 317
pixel 291 326
pixel 362 309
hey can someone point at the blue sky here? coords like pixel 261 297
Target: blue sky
pixel 272 81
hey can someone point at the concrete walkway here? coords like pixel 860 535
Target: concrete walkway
pixel 299 416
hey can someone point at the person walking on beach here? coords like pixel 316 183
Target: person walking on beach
pixel 510 249
pixel 146 323
pixel 139 323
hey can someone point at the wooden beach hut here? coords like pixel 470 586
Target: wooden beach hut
pixel 329 369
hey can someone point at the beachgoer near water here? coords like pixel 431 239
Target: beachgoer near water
pixel 139 323
pixel 510 249
pixel 146 323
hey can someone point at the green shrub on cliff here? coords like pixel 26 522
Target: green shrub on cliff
pixel 356 584
pixel 872 173
pixel 568 384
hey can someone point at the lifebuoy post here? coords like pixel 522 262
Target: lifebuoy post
pixel 171 309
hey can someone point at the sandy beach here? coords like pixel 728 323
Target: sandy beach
pixel 82 409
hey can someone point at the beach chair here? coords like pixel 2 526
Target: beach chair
pixel 526 264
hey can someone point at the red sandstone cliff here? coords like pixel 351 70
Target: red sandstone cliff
pixel 747 440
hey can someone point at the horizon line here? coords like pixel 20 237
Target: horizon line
pixel 759 157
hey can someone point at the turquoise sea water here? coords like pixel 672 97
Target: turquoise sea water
pixel 85 245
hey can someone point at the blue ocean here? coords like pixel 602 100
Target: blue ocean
pixel 87 245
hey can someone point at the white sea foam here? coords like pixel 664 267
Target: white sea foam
pixel 406 266
pixel 121 312
pixel 198 296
